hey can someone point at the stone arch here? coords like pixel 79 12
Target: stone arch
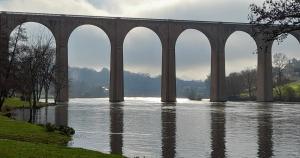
pixel 51 33
pixel 199 34
pixel 99 30
pixel 11 28
pixel 41 35
pixel 242 59
pixel 202 31
pixel 291 37
pixel 193 60
pixel 249 33
pixel 102 28
pixel 296 34
pixel 129 29
pixel 139 56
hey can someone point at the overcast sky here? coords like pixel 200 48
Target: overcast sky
pixel 90 47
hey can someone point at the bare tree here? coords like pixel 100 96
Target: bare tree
pixel 284 14
pixel 8 66
pixel 234 85
pixel 249 78
pixel 280 61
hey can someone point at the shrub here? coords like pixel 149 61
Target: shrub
pixel 49 127
pixel 66 130
pixel 289 93
pixel 62 129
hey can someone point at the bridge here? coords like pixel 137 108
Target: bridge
pixel 167 30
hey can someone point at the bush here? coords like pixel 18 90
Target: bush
pixel 49 127
pixel 66 130
pixel 289 94
pixel 62 129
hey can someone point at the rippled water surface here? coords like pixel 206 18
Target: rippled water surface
pixel 146 127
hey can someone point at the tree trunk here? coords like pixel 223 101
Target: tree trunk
pixel 30 115
pixel 1 103
pixel 46 94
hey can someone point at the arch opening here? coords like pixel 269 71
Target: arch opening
pixel 193 60
pixel 241 66
pixel 89 62
pixel 142 63
pixel 286 68
pixel 32 51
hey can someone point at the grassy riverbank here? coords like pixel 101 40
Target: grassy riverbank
pixel 22 139
pixel 23 131
pixel 16 149
pixel 13 103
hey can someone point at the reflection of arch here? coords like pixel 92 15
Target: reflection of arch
pixel 116 128
pixel 168 120
pixel 218 131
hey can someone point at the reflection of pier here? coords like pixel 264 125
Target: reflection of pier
pixel 265 132
pixel 218 131
pixel 168 118
pixel 116 128
pixel 57 115
pixel 61 115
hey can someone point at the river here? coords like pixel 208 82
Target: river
pixel 145 127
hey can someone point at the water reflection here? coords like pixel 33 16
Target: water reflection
pixel 61 115
pixel 168 121
pixel 116 128
pixel 265 131
pixel 185 129
pixel 57 115
pixel 218 130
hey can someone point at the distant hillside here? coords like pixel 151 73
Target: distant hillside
pixel 90 83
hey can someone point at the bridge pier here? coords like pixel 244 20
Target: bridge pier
pixel 61 73
pixel 217 90
pixel 168 77
pixel 116 88
pixel 4 42
pixel 264 77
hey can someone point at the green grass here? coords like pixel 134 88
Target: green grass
pixel 23 131
pixel 16 149
pixel 22 139
pixel 13 103
pixel 294 85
